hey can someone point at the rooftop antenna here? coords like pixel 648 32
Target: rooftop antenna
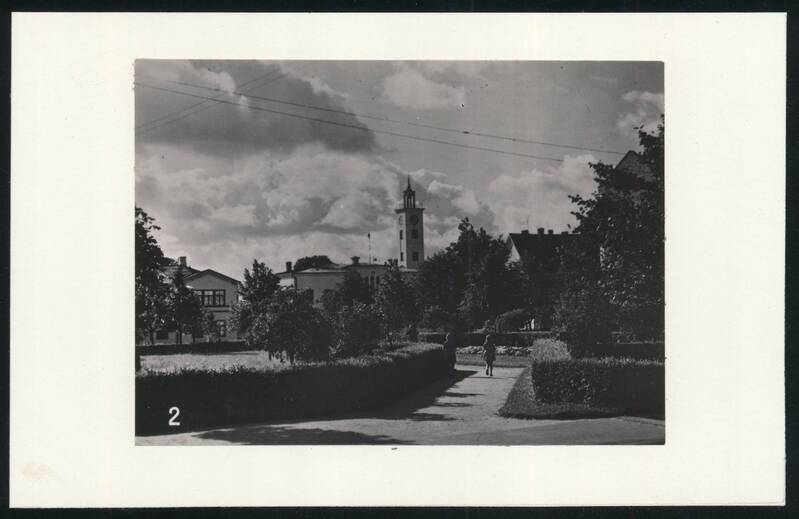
pixel 369 237
pixel 527 226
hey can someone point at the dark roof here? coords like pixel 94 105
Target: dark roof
pixel 527 243
pixel 633 163
pixel 197 274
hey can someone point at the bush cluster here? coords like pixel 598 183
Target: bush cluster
pixel 240 395
pixel 514 340
pixel 512 321
pixel 628 385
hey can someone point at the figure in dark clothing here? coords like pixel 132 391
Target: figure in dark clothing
pixel 449 351
pixel 413 333
pixel 489 354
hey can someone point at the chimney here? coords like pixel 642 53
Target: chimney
pixel 288 266
pixel 182 261
pixel 525 231
pixel 540 230
pixel 550 231
pixel 355 260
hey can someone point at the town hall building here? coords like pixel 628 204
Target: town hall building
pixel 410 237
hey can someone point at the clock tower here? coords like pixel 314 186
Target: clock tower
pixel 410 230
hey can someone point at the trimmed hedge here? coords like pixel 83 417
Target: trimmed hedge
pixel 631 350
pixel 218 398
pixel 628 385
pixel 197 347
pixel 513 340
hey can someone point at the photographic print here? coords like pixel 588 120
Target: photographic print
pixel 399 253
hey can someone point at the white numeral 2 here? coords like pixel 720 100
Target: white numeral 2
pixel 173 419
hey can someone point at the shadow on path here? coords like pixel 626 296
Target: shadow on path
pixel 277 435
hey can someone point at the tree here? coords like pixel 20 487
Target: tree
pixel 185 308
pixel 290 323
pixel 396 302
pixel 207 326
pixel 358 330
pixel 354 289
pixel 307 262
pixel 150 289
pixel 259 287
pixel 616 275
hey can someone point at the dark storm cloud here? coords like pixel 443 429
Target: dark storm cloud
pixel 232 130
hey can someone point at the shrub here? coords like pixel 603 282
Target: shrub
pixel 549 349
pixel 240 395
pixel 516 340
pixel 435 317
pixel 357 330
pixel 627 384
pixel 512 321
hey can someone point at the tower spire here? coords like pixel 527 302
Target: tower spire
pixel 409 180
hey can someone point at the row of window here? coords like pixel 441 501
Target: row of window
pixel 211 297
pixel 414 234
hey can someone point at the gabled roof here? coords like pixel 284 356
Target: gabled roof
pixel 212 272
pixel 634 164
pixel 529 243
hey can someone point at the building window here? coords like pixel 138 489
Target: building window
pixel 400 234
pixel 415 256
pixel 211 297
pixel 377 280
pixel 162 335
pixel 402 256
pixel 221 328
pixel 414 234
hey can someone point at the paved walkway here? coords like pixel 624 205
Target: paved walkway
pixel 458 411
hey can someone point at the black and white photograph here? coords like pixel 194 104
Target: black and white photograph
pixel 409 253
pixel 398 259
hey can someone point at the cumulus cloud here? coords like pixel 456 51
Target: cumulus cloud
pixel 223 130
pixel 540 196
pixel 312 201
pixel 409 88
pixel 646 111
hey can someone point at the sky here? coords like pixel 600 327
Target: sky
pixel 243 160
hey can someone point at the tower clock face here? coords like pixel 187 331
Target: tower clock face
pixel 414 219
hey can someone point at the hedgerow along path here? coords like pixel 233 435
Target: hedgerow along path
pixel 460 410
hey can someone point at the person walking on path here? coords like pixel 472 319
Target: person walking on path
pixel 449 351
pixel 489 354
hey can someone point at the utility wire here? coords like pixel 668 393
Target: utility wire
pixel 355 127
pixel 399 121
pixel 141 129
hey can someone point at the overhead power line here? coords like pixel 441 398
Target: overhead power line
pixel 160 121
pixel 355 127
pixel 399 121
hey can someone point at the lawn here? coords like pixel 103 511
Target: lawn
pixel 209 362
